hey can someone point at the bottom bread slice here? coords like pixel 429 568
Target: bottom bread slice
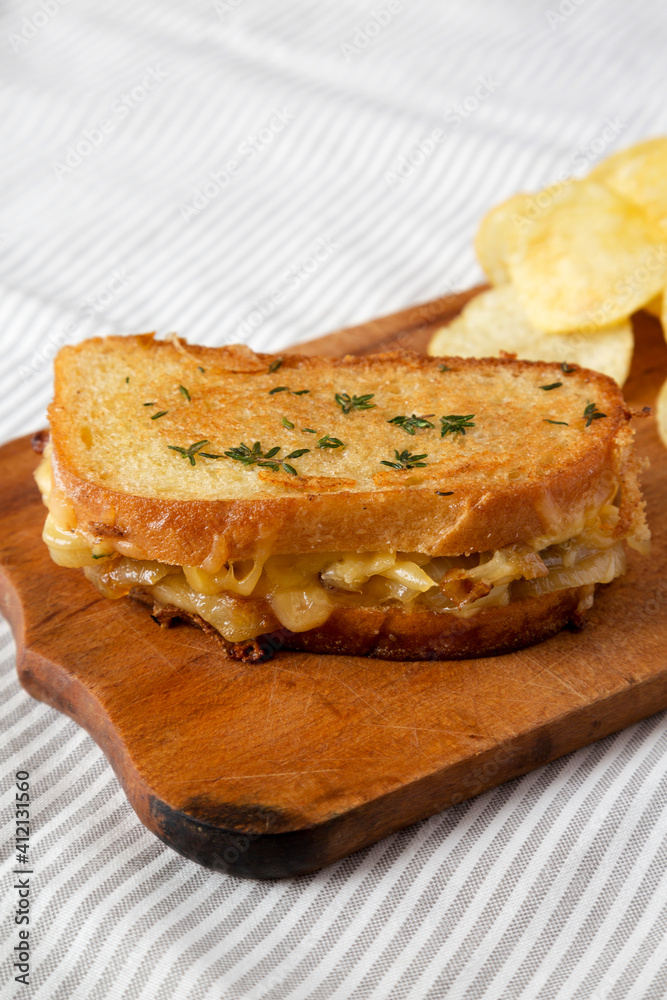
pixel 389 633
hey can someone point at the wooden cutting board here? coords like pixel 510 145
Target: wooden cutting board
pixel 277 769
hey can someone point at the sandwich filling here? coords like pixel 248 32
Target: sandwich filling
pixel 299 592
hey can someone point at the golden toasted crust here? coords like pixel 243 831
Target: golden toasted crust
pixel 512 478
pixel 393 634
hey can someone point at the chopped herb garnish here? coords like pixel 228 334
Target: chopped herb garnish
pixel 193 450
pixel 102 555
pixel 455 423
pixel 275 365
pixel 249 456
pixel 348 403
pixel 162 413
pixel 328 442
pixel 413 423
pixel 288 424
pixel 200 369
pixel 286 388
pixel 561 422
pixel 445 368
pixel 554 385
pixel 450 493
pixel 592 413
pixel 185 392
pixel 127 379
pixel 255 456
pixel 149 404
pixel 308 430
pixel 568 369
pixel 406 461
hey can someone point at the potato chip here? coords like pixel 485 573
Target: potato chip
pixel 501 229
pixel 588 260
pixel 640 175
pixel 661 413
pixel 496 235
pixel 495 321
pixel 655 306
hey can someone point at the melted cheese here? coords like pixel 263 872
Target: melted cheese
pixel 246 599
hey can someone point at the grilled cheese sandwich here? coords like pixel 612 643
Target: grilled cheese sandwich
pixel 515 510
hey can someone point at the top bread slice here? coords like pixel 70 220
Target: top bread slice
pixel 531 466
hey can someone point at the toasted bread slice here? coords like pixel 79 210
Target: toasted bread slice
pixel 392 633
pixel 538 451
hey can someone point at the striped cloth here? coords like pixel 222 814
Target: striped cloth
pixel 257 171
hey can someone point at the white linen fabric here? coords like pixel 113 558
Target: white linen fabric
pixel 266 172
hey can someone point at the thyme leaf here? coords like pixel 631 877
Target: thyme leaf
pixel 406 461
pixel 185 393
pixel 286 388
pixel 413 423
pixel 162 413
pixel 348 403
pixel 254 456
pixel 275 365
pixel 330 442
pixel 554 385
pixel 194 449
pixel 456 423
pixel 592 413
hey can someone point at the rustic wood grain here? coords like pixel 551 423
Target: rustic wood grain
pixel 278 769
